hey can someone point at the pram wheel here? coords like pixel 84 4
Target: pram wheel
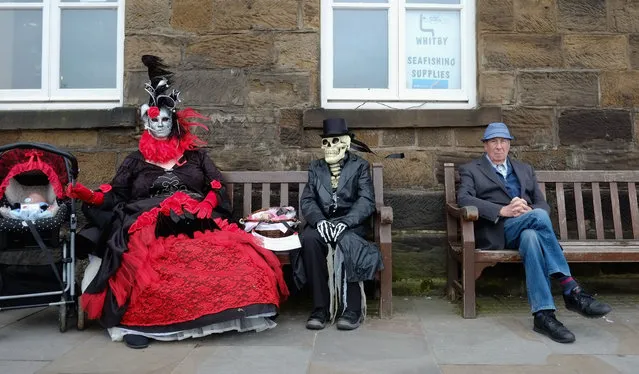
pixel 62 316
pixel 81 317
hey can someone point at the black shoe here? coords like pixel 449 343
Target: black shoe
pixel 317 320
pixel 350 320
pixel 584 304
pixel 136 341
pixel 546 323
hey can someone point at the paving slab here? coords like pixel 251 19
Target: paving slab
pixel 372 349
pixel 37 338
pixel 485 341
pixel 245 359
pixel 100 355
pixel 8 317
pixel 623 363
pixel 21 367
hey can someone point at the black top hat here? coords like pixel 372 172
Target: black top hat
pixel 335 127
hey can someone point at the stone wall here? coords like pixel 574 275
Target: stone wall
pixel 564 74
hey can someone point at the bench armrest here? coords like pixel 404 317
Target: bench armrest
pixel 385 214
pixel 467 213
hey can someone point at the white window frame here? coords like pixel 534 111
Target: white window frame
pixel 50 96
pixel 397 96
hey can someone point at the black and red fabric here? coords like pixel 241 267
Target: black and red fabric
pixel 19 161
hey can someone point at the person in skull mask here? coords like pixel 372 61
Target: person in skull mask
pixel 170 266
pixel 337 202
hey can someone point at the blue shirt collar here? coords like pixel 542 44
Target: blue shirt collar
pixel 495 165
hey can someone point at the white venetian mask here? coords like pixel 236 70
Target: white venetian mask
pixel 158 124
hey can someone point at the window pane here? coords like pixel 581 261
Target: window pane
pixel 360 48
pixel 20 1
pixel 21 46
pixel 89 1
pixel 433 1
pixel 88 48
pixel 433 49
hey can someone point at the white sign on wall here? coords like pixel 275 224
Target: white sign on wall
pixel 433 50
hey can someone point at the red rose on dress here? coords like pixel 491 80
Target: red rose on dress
pixel 216 185
pixel 105 188
pixel 153 112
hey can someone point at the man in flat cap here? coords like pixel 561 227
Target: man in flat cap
pixel 513 213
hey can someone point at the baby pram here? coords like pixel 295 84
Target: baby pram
pixel 37 230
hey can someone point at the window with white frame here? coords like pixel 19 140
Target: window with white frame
pixel 398 54
pixel 61 53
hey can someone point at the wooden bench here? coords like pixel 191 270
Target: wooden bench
pixel 286 181
pixel 586 236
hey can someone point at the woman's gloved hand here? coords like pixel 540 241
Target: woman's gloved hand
pixel 206 206
pixel 82 193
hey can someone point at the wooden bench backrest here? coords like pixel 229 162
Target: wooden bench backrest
pixel 577 182
pixel 284 179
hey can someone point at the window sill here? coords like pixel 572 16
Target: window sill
pixel 394 105
pixel 398 118
pixel 67 119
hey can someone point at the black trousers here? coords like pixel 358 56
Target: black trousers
pixel 314 252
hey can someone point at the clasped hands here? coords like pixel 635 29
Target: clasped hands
pixel 330 231
pixel 516 208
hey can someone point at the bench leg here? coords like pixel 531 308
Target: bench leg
pixel 468 283
pixel 386 282
pixel 453 275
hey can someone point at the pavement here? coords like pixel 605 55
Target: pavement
pixel 425 335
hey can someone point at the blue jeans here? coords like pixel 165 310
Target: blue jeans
pixel 542 255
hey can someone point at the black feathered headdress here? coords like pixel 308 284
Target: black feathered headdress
pixel 159 87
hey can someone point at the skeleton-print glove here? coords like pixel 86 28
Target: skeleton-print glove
pixel 339 229
pixel 325 230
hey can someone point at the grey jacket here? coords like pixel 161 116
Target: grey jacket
pixel 480 186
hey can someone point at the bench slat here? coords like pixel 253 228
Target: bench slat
pixel 266 195
pixel 634 211
pixel 299 195
pixel 579 207
pixel 284 194
pixel 542 187
pixel 265 176
pixel 229 191
pixel 561 211
pixel 596 204
pixel 247 199
pixel 587 176
pixel 616 212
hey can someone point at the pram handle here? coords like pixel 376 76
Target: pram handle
pixel 48 148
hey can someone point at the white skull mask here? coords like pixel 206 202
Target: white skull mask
pixel 159 126
pixel 335 148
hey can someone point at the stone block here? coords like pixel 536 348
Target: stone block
pixel 418 254
pixel 147 14
pixel 414 171
pixel 564 88
pixel 495 15
pixel 77 139
pixel 243 129
pixel 297 51
pixel 205 88
pixel 398 138
pixel 535 16
pixel 434 137
pixel 456 157
pixel 512 51
pixel 279 90
pixel 469 137
pixel 119 139
pixel 623 15
pixel 413 209
pixel 620 89
pixel 192 15
pixel 606 159
pixel 633 40
pixel 543 159
pixel 530 126
pixel 255 15
pixel 371 138
pixel 496 88
pixel 231 51
pixel 311 14
pixel 580 127
pixel 96 168
pixel 579 15
pixel 165 47
pixel 290 125
pixel 9 137
pixel 607 52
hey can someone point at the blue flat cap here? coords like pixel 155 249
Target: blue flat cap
pixel 496 130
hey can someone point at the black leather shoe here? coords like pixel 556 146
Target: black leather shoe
pixel 317 320
pixel 136 341
pixel 546 323
pixel 350 320
pixel 584 304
